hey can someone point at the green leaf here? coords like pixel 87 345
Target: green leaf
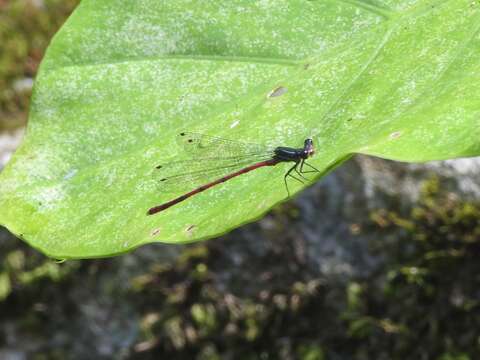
pixel 396 79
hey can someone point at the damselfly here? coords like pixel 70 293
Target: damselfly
pixel 214 161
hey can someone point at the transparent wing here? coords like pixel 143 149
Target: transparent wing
pixel 202 145
pixel 186 175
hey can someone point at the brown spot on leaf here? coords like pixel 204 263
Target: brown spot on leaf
pixel 155 232
pixel 189 229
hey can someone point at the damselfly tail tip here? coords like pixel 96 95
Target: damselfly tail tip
pixel 152 211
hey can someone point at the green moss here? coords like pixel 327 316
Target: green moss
pixel 5 285
pixel 311 352
pixel 25 31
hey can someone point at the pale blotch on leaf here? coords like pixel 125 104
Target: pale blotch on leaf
pixel 395 135
pixel 279 91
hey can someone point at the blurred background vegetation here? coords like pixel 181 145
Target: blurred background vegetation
pixel 401 282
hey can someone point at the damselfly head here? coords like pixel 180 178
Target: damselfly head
pixel 308 149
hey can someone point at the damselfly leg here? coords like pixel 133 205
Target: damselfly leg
pixel 298 168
